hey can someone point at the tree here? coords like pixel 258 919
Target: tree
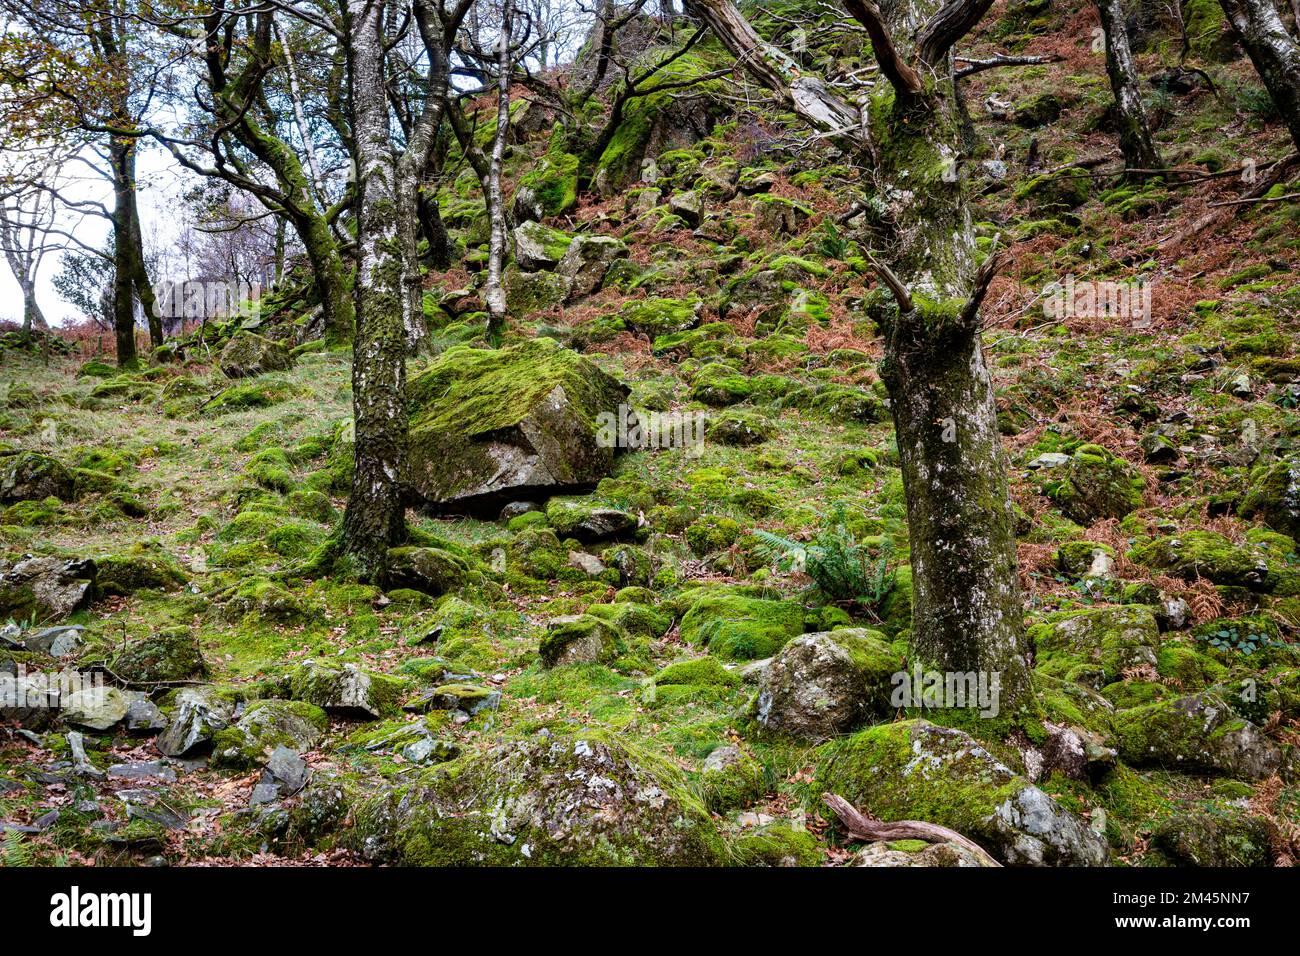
pixel 494 293
pixel 26 220
pixel 1273 51
pixel 967 614
pixel 1135 140
pixel 375 519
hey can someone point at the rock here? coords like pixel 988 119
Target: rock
pixel 248 354
pixel 1095 646
pixel 915 770
pixel 689 205
pixel 347 690
pixel 1157 449
pixel 427 570
pixel 1074 752
pixel 741 628
pixel 825 684
pixel 144 567
pixel 54 641
pixel 517 508
pixel 28 476
pixel 1208 554
pixel 287 770
pixel 529 292
pixel 143 716
pixel 1274 496
pixel 268 726
pixel 587 523
pixel 752 183
pixel 469 699
pixel 96 708
pixel 635 620
pixel 549 189
pixel 81 764
pixel 490 423
pixel 662 316
pixel 916 853
pixel 539 247
pixel 199 714
pixel 588 564
pixel 1196 837
pixel 585 799
pixel 1242 387
pixel 1097 485
pixel 731 779
pixel 142 770
pixel 586 262
pixel 1051 459
pixel 1195 734
pixel 46 588
pixel 739 429
pixel 579 639
pixel 170 655
pixel 778 216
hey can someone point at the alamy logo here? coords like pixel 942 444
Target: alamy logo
pixel 75 909
pixel 628 428
pixel 927 690
pixel 1079 298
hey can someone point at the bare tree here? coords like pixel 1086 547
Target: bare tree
pixel 494 293
pixel 26 221
pixel 967 613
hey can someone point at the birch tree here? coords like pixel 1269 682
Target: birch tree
pixel 1274 52
pixel 1135 140
pixel 494 293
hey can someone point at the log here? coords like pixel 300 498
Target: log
pixel 862 827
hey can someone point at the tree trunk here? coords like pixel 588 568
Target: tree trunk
pixel 1134 133
pixel 967 614
pixel 375 519
pixel 494 293
pixel 1275 53
pixel 122 161
pixel 33 317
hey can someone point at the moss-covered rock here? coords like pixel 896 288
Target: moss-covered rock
pixel 698 671
pixel 145 566
pixel 587 799
pixel 731 779
pixel 825 684
pixel 1208 554
pixel 172 654
pixel 427 570
pixel 1195 734
pixel 914 770
pixel 264 726
pixel 1097 645
pixel 492 422
pixel 1202 837
pixel 347 689
pixel 740 429
pixel 735 627
pixel 28 476
pixel 579 639
pixel 712 533
pixel 582 519
pixel 656 317
pixel 1274 496
pixel 1096 485
pixel 248 354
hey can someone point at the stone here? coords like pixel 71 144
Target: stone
pixel 1074 752
pixel 731 779
pixel 586 522
pixel 170 655
pixel 1206 838
pixel 587 799
pixel 143 567
pixel 1199 733
pixel 1274 496
pixel 248 354
pixel 28 476
pixel 496 423
pixel 288 770
pixel 587 260
pixel 1097 645
pixel 580 639
pixel 539 247
pixel 266 727
pixel 824 684
pixel 55 641
pixel 739 429
pixel 143 716
pixel 46 589
pixel 588 564
pixel 735 627
pixel 470 699
pixel 142 770
pixel 198 715
pixel 96 708
pixel 1097 485
pixel 915 770
pixel 81 764
pixel 427 570
pixel 347 689
pixel 916 853
pixel 689 206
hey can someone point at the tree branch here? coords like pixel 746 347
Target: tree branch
pixel 862 827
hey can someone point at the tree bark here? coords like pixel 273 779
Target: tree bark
pixel 1275 53
pixel 494 293
pixel 375 519
pixel 122 163
pixel 1135 140
pixel 967 614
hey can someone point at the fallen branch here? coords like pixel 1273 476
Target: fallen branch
pixel 1219 216
pixel 862 827
pixel 1252 201
pixel 1000 59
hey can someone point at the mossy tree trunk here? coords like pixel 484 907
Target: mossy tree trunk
pixel 1135 140
pixel 967 613
pixel 494 293
pixel 375 519
pixel 122 163
pixel 1275 53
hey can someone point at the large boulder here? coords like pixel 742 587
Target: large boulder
pixel 1196 734
pixel 1095 646
pixel 587 260
pixel 47 589
pixel 1274 496
pixel 266 726
pixel 199 714
pixel 588 799
pixel 495 424
pixel 539 247
pixel 825 684
pixel 915 770
pixel 248 354
pixel 347 690
pixel 28 476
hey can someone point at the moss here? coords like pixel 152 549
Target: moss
pixel 259 394
pixel 720 385
pixel 581 639
pixel 264 726
pixel 700 671
pixel 1095 646
pixel 739 628
pixel 636 620
pixel 1208 554
pixel 553 184
pixel 712 533
pixel 1097 485
pixel 145 566
pixel 661 317
pixel 171 655
pixel 778 844
pixel 270 468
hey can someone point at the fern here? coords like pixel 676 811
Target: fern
pixel 15 851
pixel 842 568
